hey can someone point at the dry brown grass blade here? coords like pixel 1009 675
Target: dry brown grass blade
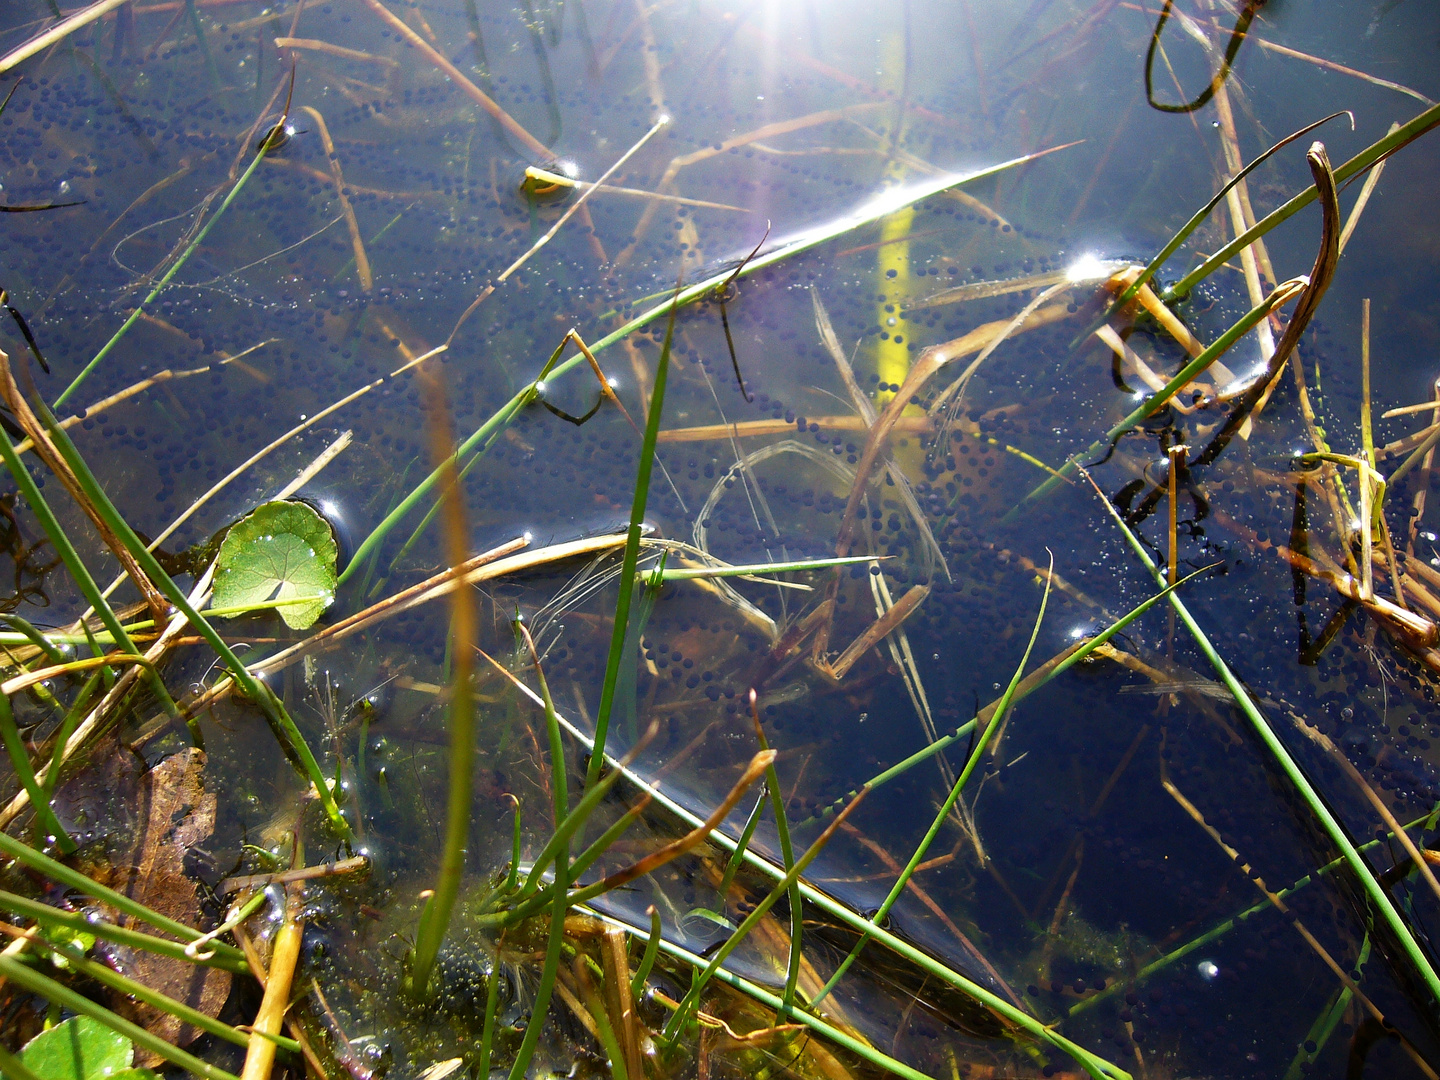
pixel 673 850
pixel 866 411
pixel 877 630
pixel 334 50
pixel 45 450
pixel 458 77
pixel 357 243
pixel 57 33
pixel 1324 954
pixel 619 1005
pixel 927 364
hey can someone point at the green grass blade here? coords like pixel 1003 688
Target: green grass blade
pixel 35 637
pixel 617 652
pixel 647 959
pixel 996 719
pixel 178 1009
pixel 257 691
pixel 79 573
pixel 63 875
pixel 1400 137
pixel 1405 938
pixel 164 280
pixel 66 729
pixel 20 762
pixel 226 956
pixel 787 859
pixel 62 995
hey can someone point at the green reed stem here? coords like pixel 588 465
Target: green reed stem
pixel 63 875
pixel 164 279
pixel 1293 772
pixel 617 652
pixel 66 729
pixel 14 1068
pixel 30 491
pixel 553 946
pixel 485 434
pixel 647 959
pixel 570 823
pixel 1001 711
pixel 787 857
pixel 492 1009
pixel 35 637
pixel 257 691
pixel 1401 136
pixel 61 995
pixel 81 963
pixel 732 867
pixel 226 956
pixel 602 843
pixel 20 762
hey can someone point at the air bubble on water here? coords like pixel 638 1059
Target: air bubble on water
pixel 1208 970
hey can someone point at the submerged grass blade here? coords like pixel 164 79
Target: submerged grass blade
pixel 1392 918
pixel 435 918
pixel 174 269
pixel 257 691
pixel 20 762
pixel 61 995
pixel 787 857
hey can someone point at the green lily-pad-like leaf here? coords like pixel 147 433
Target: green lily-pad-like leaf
pixel 281 550
pixel 78 1049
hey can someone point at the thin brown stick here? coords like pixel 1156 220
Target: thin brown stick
pixel 877 630
pixel 334 50
pixel 533 145
pixel 362 261
pixel 285 877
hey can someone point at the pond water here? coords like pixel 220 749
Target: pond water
pixel 1129 808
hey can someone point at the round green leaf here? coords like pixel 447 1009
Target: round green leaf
pixel 78 1049
pixel 281 550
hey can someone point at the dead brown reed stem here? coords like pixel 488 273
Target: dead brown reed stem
pixel 877 631
pixel 45 450
pixel 362 261
pixel 673 850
